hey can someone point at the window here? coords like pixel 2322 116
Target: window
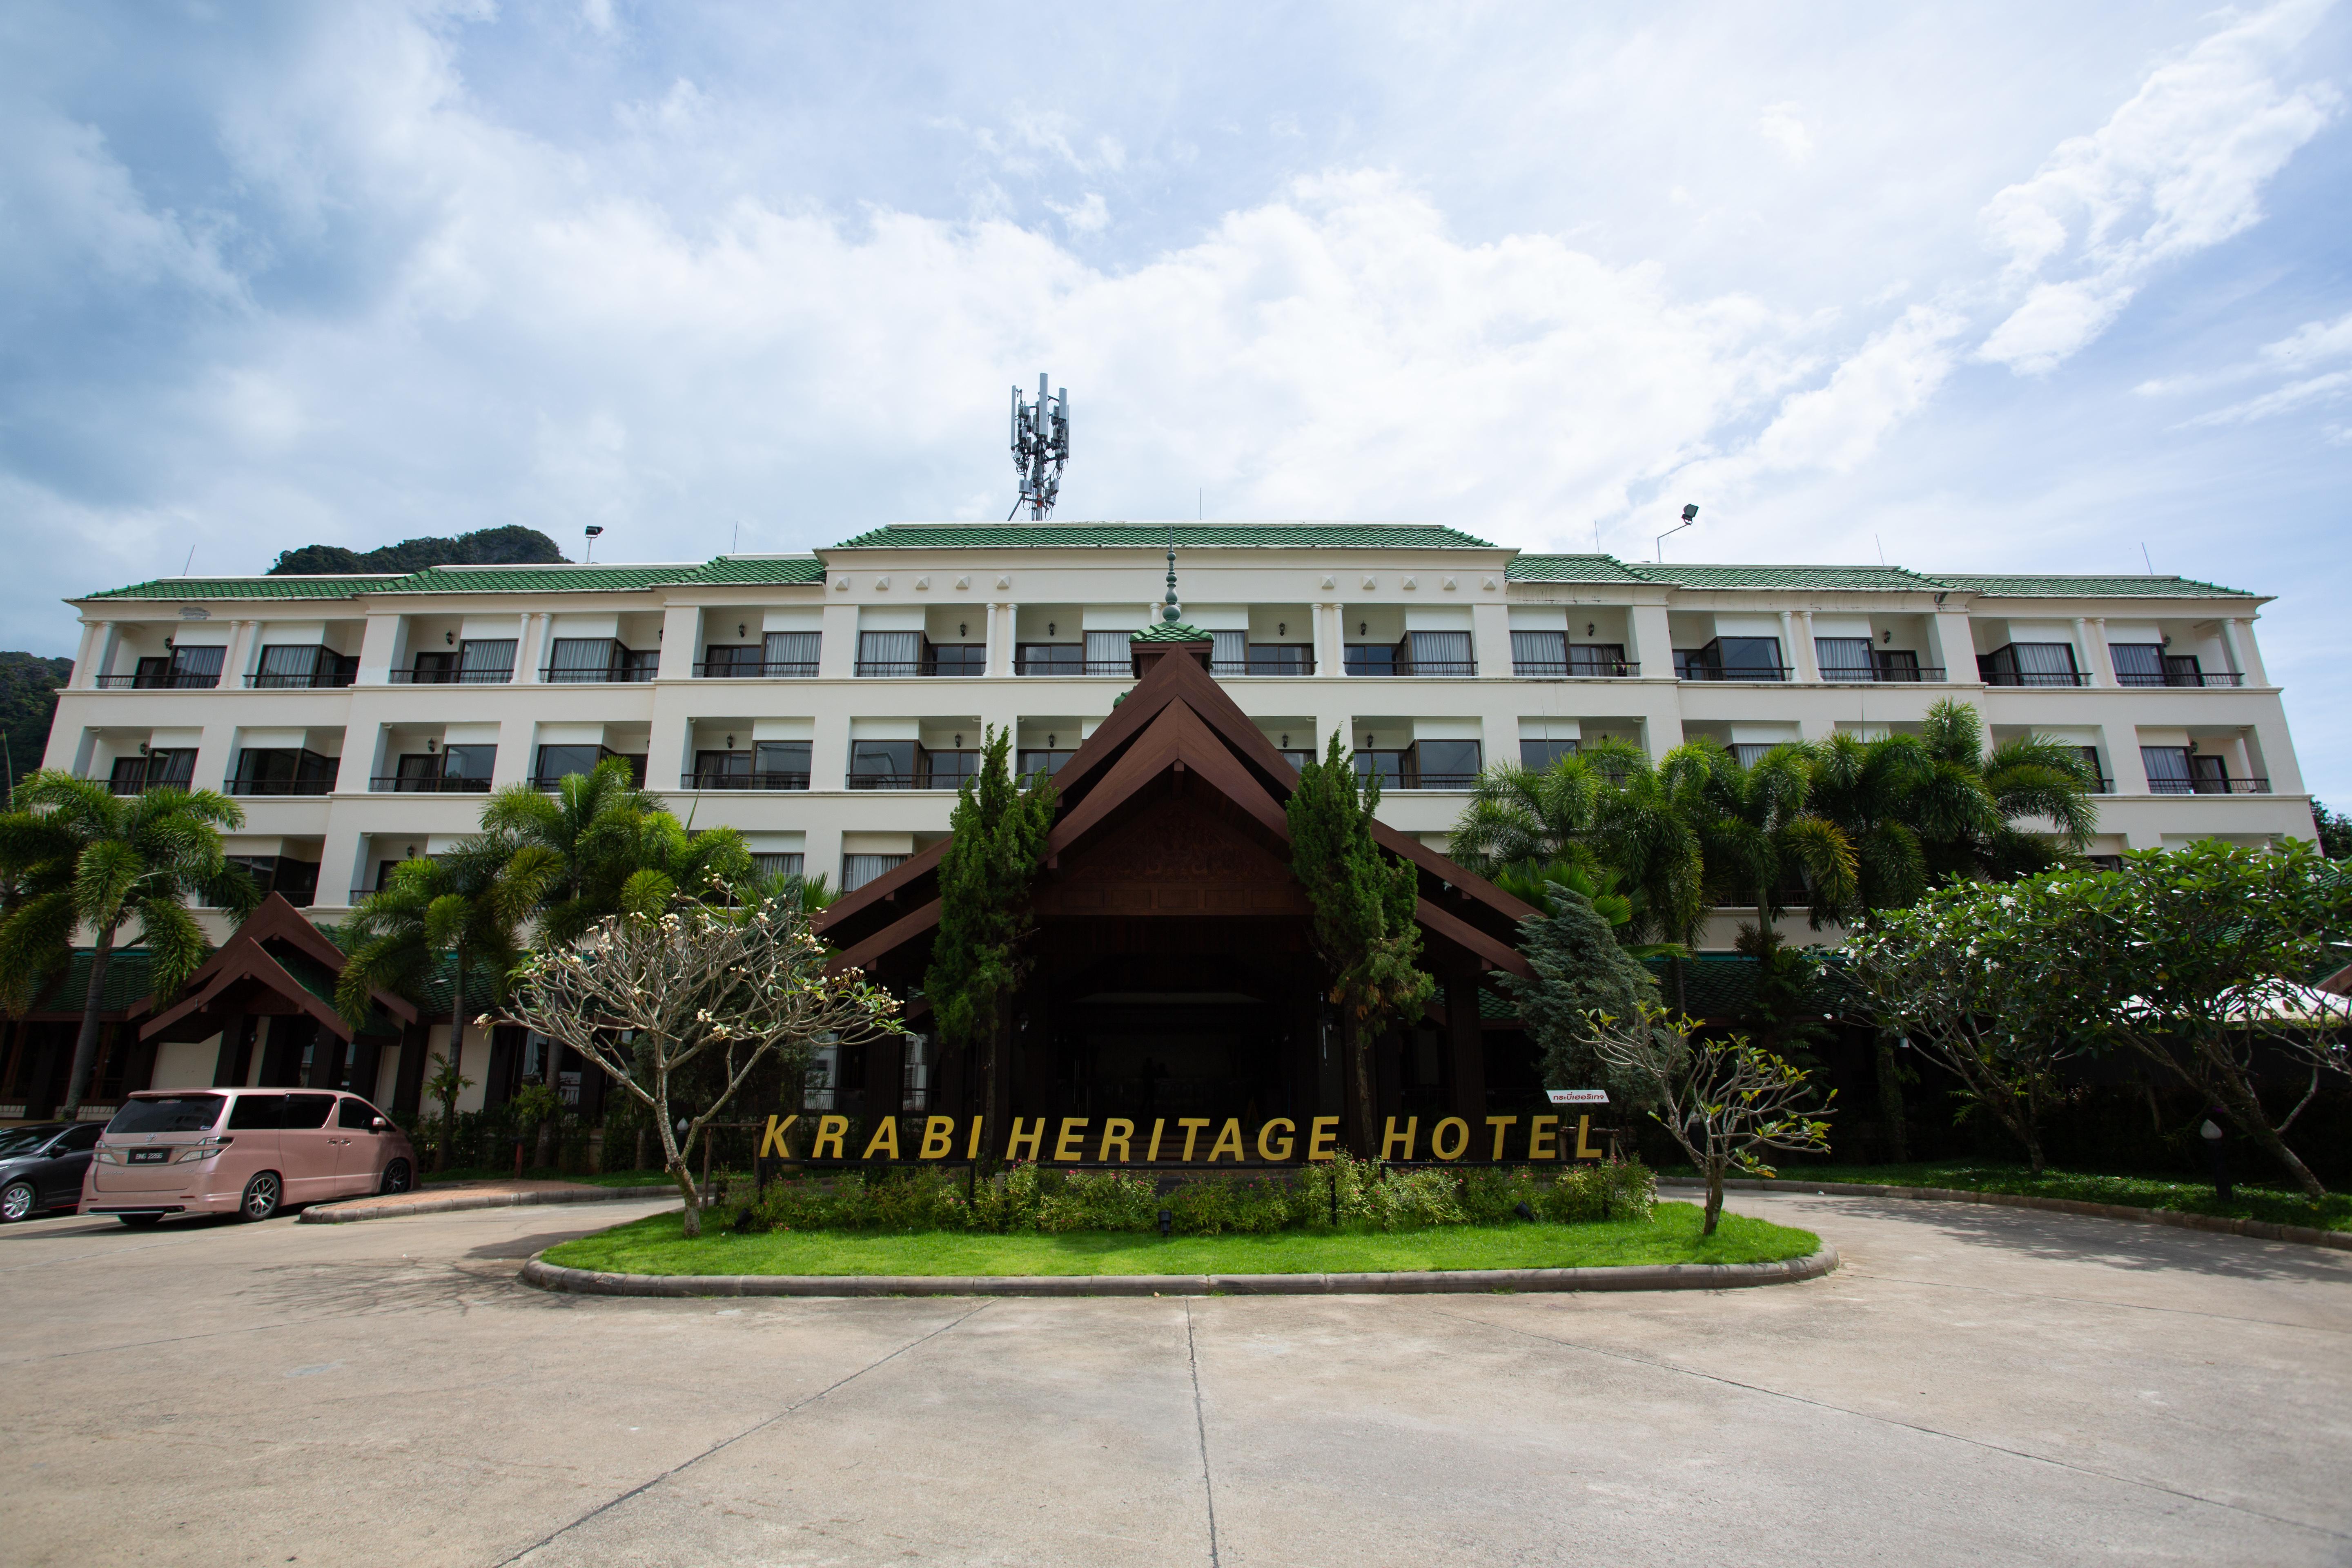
pixel 766 866
pixel 1899 664
pixel 2100 782
pixel 284 665
pixel 197 666
pixel 856 870
pixel 1229 652
pixel 2030 664
pixel 2167 769
pixel 1845 658
pixel 959 658
pixel 790 653
pixel 1606 658
pixel 1732 659
pixel 1107 653
pixel 1386 766
pixel 257 1113
pixel 1050 659
pixel 82 1140
pixel 889 653
pixel 174 767
pixel 948 770
pixel 781 764
pixel 486 663
pixel 882 764
pixel 130 775
pixel 307 1111
pixel 356 1114
pixel 468 766
pixel 283 771
pixel 1281 658
pixel 1037 762
pixel 576 660
pixel 1539 653
pixel 1748 753
pixel 1538 755
pixel 557 762
pixel 722 769
pixel 724 661
pixel 180 1113
pixel 1447 765
pixel 2209 775
pixel 1441 653
pixel 433 669
pixel 1370 659
pixel 2137 664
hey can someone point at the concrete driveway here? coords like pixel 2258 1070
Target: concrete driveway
pixel 1977 1386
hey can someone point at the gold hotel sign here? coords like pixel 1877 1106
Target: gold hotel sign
pixel 1177 1141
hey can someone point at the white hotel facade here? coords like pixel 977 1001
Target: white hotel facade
pixel 826 704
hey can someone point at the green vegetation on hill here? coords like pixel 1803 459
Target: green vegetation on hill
pixel 29 695
pixel 512 545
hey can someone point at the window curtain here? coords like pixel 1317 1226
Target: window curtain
pixel 579 658
pixel 896 653
pixel 792 653
pixel 1441 653
pixel 1540 653
pixel 1229 651
pixel 1107 653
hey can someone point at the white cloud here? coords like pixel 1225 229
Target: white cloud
pixel 2312 342
pixel 2177 168
pixel 1090 216
pixel 1783 125
pixel 2330 388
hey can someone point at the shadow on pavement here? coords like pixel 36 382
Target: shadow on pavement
pixel 2116 1243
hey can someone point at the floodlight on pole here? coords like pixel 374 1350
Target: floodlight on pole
pixel 1690 515
pixel 592 530
pixel 1041 448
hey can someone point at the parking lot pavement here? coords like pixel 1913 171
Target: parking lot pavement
pixel 1976 1385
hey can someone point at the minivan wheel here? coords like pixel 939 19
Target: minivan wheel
pixel 261 1196
pixel 396 1177
pixel 17 1201
pixel 139 1221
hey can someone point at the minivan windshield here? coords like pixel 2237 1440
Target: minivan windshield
pixel 172 1114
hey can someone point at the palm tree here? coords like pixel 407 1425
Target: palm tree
pixel 592 824
pixel 1972 804
pixel 1761 833
pixel 1884 796
pixel 469 902
pixel 82 856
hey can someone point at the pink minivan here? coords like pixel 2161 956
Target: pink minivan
pixel 241 1151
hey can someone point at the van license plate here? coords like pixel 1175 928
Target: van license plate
pixel 149 1156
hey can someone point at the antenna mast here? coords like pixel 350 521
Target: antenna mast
pixel 1041 448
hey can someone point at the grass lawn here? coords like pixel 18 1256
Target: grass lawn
pixel 653 1246
pixel 2277 1205
pixel 542 1173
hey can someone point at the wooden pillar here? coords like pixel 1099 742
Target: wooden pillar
pixel 139 1071
pixel 886 1061
pixel 230 1058
pixel 367 1053
pixel 506 1061
pixel 1465 1054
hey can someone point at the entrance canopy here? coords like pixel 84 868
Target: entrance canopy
pixel 277 965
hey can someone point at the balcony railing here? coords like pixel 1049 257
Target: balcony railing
pixel 773 670
pixel 282 787
pixel 915 666
pixel 315 680
pixel 2183 678
pixel 1897 675
pixel 744 780
pixel 1407 669
pixel 2034 678
pixel 1605 667
pixel 410 784
pixel 1261 666
pixel 1735 672
pixel 1027 665
pixel 2208 786
pixel 604 675
pixel 494 676
pixel 2103 785
pixel 179 682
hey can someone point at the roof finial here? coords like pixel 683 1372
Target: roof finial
pixel 1171 611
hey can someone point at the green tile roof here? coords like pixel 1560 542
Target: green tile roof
pixel 1171 631
pixel 126 981
pixel 1879 578
pixel 252 587
pixel 1155 536
pixel 763 569
pixel 544 579
pixel 2094 587
pixel 1569 569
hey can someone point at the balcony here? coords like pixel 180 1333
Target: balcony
pixel 2208 786
pixel 1426 764
pixel 1539 670
pixel 743 669
pixel 1881 674
pixel 414 784
pixel 2035 678
pixel 904 765
pixel 896 667
pixel 2180 677
pixel 298 681
pixel 1409 668
pixel 1698 672
pixel 495 675
pixel 1075 664
pixel 162 681
pixel 282 787
pixel 717 780
pixel 283 771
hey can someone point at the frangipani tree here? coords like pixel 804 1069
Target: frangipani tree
pixel 1725 1099
pixel 648 998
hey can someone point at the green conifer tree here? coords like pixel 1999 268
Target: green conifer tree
pixel 1364 925
pixel 978 957
pixel 1580 968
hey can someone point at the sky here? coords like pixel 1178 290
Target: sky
pixel 2004 286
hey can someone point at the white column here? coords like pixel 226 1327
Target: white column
pixel 518 735
pixel 1490 639
pixel 90 659
pixel 2123 755
pixel 2091 647
pixel 828 769
pixel 244 655
pixel 681 632
pixel 529 646
pixel 838 653
pixel 379 652
pixel 1003 632
pixel 2238 637
pixel 1330 640
pixel 1650 643
pixel 1954 646
pixel 1803 658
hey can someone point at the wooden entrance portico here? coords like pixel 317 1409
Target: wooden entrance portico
pixel 1173 965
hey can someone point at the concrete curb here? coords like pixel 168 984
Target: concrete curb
pixel 2262 1230
pixel 549 1276
pixel 346 1214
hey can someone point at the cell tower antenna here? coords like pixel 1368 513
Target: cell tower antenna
pixel 1041 448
